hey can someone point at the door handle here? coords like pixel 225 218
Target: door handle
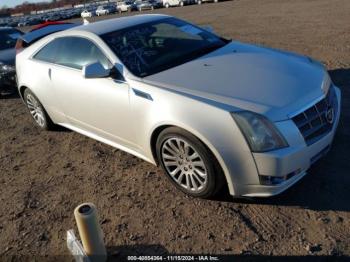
pixel 49 73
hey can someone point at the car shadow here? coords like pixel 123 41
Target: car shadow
pixel 326 187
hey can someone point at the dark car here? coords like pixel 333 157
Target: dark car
pixel 8 39
pixel 141 5
pixel 156 3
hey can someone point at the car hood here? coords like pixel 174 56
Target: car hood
pixel 8 56
pixel 247 77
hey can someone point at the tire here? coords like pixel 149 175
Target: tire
pixel 194 171
pixel 167 5
pixel 199 2
pixel 37 111
pixel 181 4
pixel 215 1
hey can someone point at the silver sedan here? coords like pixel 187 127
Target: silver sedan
pixel 210 111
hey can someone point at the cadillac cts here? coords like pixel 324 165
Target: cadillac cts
pixel 210 111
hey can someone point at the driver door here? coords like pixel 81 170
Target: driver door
pixel 98 106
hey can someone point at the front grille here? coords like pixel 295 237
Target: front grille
pixel 313 123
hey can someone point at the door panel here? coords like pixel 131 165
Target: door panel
pixel 43 89
pixel 100 106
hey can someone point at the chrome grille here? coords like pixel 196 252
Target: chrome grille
pixel 313 123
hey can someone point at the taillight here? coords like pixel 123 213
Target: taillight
pixel 19 46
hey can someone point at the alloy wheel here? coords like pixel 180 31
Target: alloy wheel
pixel 35 110
pixel 184 164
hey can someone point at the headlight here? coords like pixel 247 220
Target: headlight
pixel 326 83
pixel 6 68
pixel 259 132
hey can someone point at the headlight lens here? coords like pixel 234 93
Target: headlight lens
pixel 259 132
pixel 6 68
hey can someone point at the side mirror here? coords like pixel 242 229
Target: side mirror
pixel 95 70
pixel 208 28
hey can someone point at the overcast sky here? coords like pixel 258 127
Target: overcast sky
pixel 12 3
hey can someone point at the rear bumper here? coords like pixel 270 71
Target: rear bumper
pixel 295 160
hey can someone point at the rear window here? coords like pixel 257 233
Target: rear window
pixel 48 52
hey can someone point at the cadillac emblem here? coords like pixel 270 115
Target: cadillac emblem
pixel 330 115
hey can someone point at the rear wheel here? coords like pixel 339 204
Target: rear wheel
pixel 188 163
pixel 37 111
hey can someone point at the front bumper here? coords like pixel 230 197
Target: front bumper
pixel 295 159
pixel 8 80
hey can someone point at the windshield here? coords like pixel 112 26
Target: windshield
pixel 8 38
pixel 154 47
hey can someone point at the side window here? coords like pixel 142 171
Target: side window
pixel 48 52
pixel 77 52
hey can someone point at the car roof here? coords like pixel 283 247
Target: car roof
pixel 110 25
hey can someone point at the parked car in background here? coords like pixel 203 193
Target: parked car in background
pixel 41 31
pixel 169 3
pixel 123 6
pixel 157 3
pixel 8 39
pixel 22 24
pixel 199 2
pixel 141 5
pixel 251 117
pixel 86 14
pixel 102 10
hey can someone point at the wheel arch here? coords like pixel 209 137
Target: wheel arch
pixel 21 91
pixel 206 143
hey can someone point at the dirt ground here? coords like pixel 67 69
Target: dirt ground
pixel 45 175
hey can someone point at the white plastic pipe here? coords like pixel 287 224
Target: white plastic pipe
pixel 90 232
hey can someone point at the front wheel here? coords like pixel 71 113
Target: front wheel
pixel 188 163
pixel 37 111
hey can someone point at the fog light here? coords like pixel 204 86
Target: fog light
pixel 271 180
pixel 275 180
